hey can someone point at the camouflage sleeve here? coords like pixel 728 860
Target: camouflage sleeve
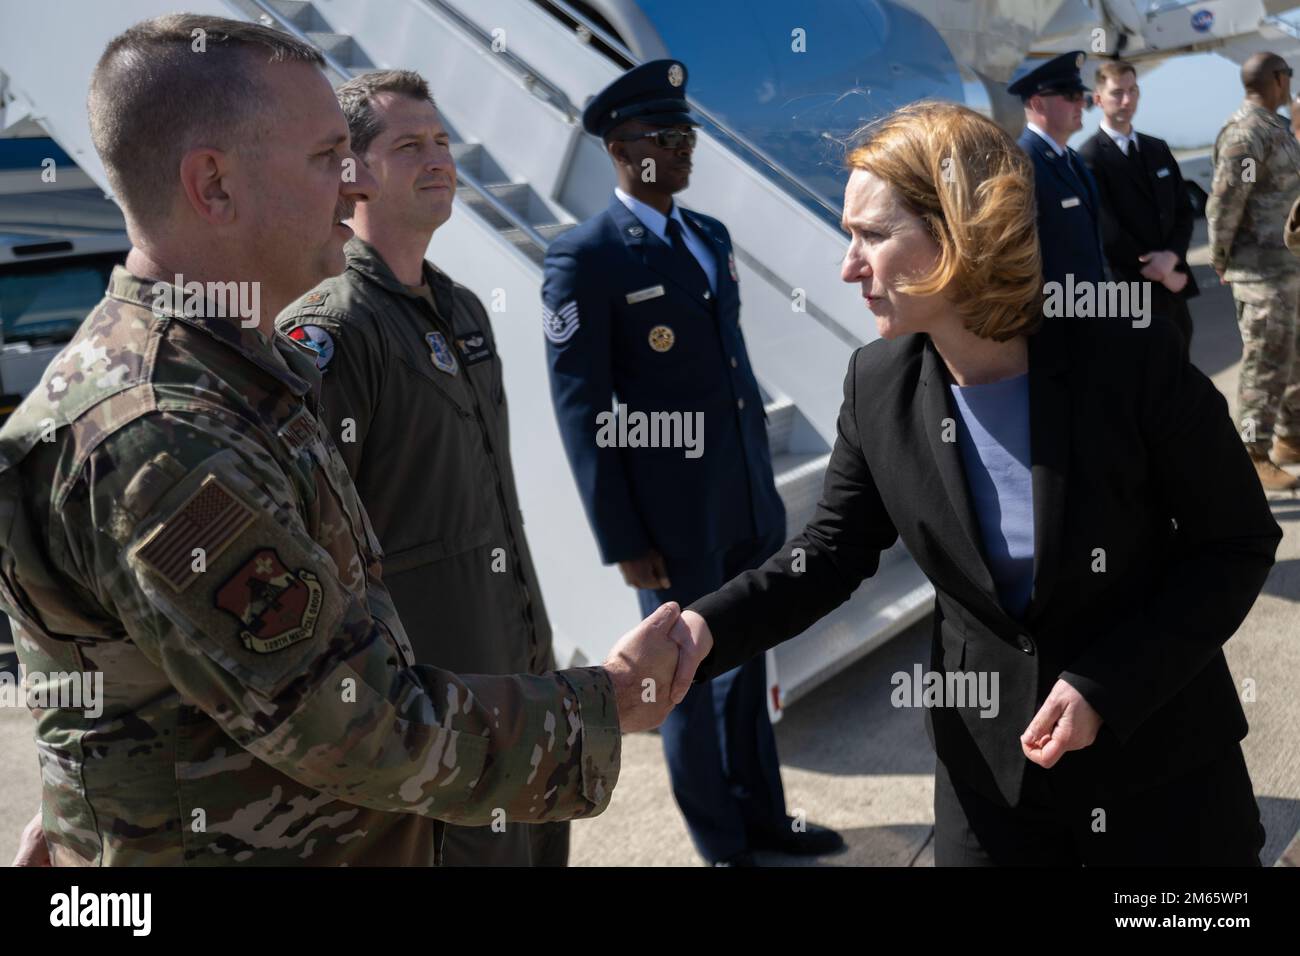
pixel 1236 164
pixel 197 544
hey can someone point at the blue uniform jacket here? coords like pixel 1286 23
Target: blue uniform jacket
pixel 1069 229
pixel 615 295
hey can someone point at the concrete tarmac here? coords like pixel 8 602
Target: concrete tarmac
pixel 853 762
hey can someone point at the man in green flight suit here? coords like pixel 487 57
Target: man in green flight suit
pixel 411 390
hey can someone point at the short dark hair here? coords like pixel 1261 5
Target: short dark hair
pixel 357 99
pixel 171 83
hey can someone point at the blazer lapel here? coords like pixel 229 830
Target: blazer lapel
pixel 1049 453
pixel 723 259
pixel 653 251
pixel 936 408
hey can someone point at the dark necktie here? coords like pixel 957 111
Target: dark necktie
pixel 695 273
pixel 1134 159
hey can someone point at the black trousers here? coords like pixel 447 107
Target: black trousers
pixel 1206 817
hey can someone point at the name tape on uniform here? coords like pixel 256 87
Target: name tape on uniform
pixel 1162 172
pixel 653 292
pixel 1070 203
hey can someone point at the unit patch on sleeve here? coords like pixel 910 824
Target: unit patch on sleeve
pixel 318 340
pixel 277 607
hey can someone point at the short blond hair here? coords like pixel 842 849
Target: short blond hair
pixel 983 217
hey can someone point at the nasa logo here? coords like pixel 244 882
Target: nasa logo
pixel 1202 21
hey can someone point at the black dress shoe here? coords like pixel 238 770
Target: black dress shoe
pixel 812 840
pixel 743 858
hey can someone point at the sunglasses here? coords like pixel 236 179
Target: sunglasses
pixel 1288 71
pixel 666 138
pixel 1074 96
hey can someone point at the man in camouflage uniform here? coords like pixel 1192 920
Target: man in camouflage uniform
pixel 174 515
pixel 412 392
pixel 1256 179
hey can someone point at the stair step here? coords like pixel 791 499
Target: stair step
pixel 301 13
pixel 780 421
pixel 478 162
pixel 520 240
pixel 799 480
pixel 341 47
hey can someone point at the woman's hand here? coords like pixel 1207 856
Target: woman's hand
pixel 1065 722
pixel 694 641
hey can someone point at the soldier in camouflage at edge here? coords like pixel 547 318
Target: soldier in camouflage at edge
pixel 174 515
pixel 1256 179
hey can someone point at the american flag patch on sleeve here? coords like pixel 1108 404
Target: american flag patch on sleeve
pixel 209 521
pixel 560 324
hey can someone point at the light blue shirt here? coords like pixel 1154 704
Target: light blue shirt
pixel 1042 134
pixel 993 435
pixel 657 223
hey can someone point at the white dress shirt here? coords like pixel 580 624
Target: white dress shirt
pixel 1122 140
pixel 657 223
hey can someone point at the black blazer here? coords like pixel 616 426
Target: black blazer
pixel 1141 212
pixel 1133 452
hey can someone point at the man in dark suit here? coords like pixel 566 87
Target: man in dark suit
pixel 641 304
pixel 1068 205
pixel 1146 217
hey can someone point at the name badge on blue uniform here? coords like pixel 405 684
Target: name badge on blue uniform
pixel 1162 172
pixel 443 358
pixel 1070 203
pixel 653 292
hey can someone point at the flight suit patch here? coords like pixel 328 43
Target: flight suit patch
pixel 210 520
pixel 277 607
pixel 444 359
pixel 662 338
pixel 474 348
pixel 316 339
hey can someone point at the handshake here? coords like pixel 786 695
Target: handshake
pixel 652 665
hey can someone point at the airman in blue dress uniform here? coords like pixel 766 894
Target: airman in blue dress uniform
pixel 1069 207
pixel 642 310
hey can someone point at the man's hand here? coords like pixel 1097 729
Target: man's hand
pixel 641 665
pixel 694 641
pixel 1219 273
pixel 1158 264
pixel 647 573
pixel 1065 722
pixel 32 850
pixel 1176 281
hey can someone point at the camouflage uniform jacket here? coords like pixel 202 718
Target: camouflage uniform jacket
pixel 1256 179
pixel 174 515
